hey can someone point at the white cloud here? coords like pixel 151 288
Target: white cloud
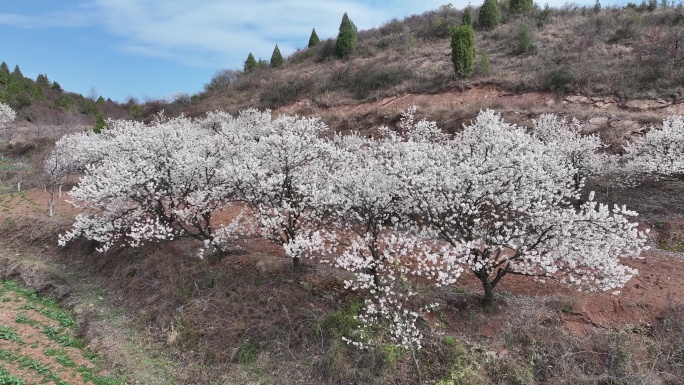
pixel 57 19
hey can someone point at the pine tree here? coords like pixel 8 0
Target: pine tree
pixel 42 80
pixel 463 50
pixel 100 123
pixel 490 14
pixel 313 40
pixel 467 18
pixel 56 86
pixel 276 58
pixel 346 38
pixel 250 63
pixel 17 73
pixel 4 73
pixel 521 6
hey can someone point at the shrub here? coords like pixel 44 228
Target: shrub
pixel 523 42
pixel 490 14
pixel 463 50
pixel 63 102
pixel 326 50
pixel 484 67
pixel 558 79
pixel 439 23
pixel 281 95
pixel 346 39
pixel 375 77
pixel 222 79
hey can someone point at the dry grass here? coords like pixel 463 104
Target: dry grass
pixel 614 52
pixel 160 315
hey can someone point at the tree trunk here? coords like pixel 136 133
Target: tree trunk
pixel 488 299
pixel 296 265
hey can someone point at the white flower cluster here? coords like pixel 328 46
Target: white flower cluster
pixel 412 206
pixel 7 114
pixel 660 153
pixel 579 152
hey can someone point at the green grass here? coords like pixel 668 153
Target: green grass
pixel 58 359
pixel 671 245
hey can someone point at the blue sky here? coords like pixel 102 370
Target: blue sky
pixel 158 48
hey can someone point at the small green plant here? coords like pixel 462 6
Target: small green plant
pixel 246 353
pixel 9 379
pixel 392 353
pixel 463 369
pixel 9 334
pixel 63 359
pixel 343 322
pixel 91 356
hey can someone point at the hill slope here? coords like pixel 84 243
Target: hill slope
pixel 617 53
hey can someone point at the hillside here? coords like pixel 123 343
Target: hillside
pixel 159 314
pixel 618 54
pixel 44 102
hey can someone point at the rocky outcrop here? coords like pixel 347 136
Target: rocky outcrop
pixel 640 105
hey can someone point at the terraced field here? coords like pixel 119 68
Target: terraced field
pixel 38 343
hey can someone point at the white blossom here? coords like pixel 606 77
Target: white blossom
pixel 660 153
pixel 7 114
